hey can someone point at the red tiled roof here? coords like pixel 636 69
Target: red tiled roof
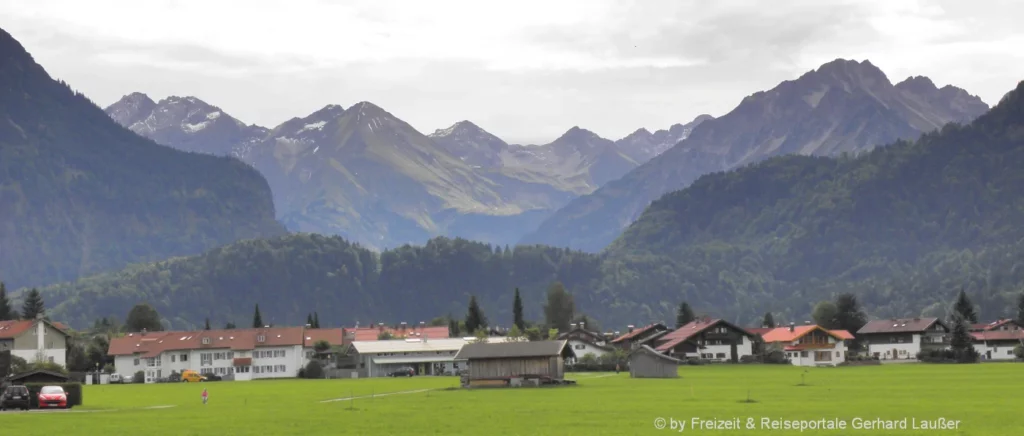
pixel 152 344
pixel 842 334
pixel 371 333
pixel 994 325
pixel 13 329
pixel 898 325
pixel 332 336
pixel 999 335
pixel 782 334
pixel 636 332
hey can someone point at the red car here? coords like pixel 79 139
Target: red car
pixel 53 396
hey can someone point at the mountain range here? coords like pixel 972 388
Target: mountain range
pixel 844 106
pixel 904 227
pixel 79 194
pixel 365 174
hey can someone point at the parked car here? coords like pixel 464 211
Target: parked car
pixel 404 371
pixel 116 378
pixel 190 376
pixel 15 397
pixel 53 396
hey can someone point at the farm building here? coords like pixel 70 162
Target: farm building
pixel 645 362
pixel 515 363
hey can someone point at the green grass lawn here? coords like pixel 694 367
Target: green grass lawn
pixel 984 398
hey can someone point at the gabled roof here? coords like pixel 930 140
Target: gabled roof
pixel 644 349
pixel 514 350
pixel 899 325
pixel 782 334
pixel 13 329
pixel 999 335
pixel 151 344
pixel 23 375
pixel 1009 323
pixel 332 336
pixel 639 332
pixel 695 327
pixel 842 334
pixel 594 336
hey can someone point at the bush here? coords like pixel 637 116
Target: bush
pixel 313 369
pixel 139 377
pixel 74 391
pixel 594 367
pixel 948 356
pixel 1018 351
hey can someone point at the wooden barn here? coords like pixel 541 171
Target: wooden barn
pixel 515 363
pixel 645 362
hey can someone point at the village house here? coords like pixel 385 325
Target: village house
pixel 239 354
pixel 998 339
pixel 635 337
pixel 514 363
pixel 708 339
pixel 809 345
pixel 584 342
pixel 35 339
pixel 903 338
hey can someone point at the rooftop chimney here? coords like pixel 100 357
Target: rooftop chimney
pixel 807 323
pixel 572 326
pixel 792 327
pixel 143 331
pixel 403 324
pixel 630 328
pixel 581 325
pixel 422 325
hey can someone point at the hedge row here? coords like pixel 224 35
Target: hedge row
pixel 74 391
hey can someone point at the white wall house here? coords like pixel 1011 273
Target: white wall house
pixel 997 340
pixel 585 342
pixel 244 354
pixel 708 339
pixel 809 345
pixel 903 338
pixel 34 339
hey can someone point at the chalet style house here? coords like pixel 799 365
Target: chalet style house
pixel 584 342
pixel 809 345
pixel 34 340
pixel 708 339
pixel 903 338
pixel 997 340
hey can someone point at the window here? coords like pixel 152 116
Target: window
pixel 837 354
pixel 206 371
pixel 205 359
pixel 184 357
pixel 136 362
pixel 720 356
pixel 261 338
pixel 279 353
pixel 51 359
pixel 1008 352
pixel 820 356
pixel 578 346
pixel 206 341
pixel 279 368
pixel 309 354
pixel 172 358
pixel 803 354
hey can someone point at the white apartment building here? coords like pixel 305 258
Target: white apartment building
pixel 243 354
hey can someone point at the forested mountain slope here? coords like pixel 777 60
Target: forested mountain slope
pixel 80 194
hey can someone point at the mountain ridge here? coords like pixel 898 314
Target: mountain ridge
pixel 841 107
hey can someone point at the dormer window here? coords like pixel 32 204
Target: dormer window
pixel 206 341
pixel 261 338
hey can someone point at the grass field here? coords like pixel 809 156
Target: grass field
pixel 984 398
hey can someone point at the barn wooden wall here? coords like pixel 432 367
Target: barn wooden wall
pixel 487 368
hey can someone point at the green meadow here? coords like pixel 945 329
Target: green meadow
pixel 984 398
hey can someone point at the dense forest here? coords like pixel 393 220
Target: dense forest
pixel 293 275
pixel 79 194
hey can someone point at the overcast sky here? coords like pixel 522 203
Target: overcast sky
pixel 524 70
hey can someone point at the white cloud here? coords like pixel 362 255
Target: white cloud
pixel 527 70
